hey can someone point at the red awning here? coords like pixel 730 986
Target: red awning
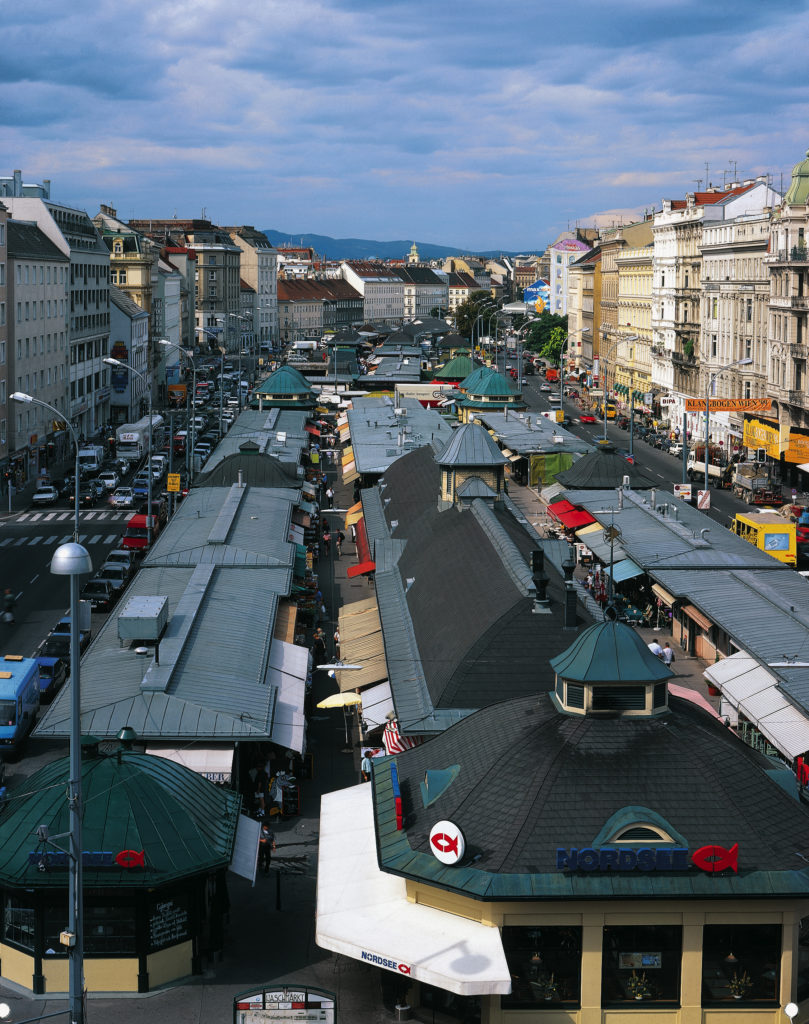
pixel 361 569
pixel 312 430
pixel 363 547
pixel 559 508
pixel 576 518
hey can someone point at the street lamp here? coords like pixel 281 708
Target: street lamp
pixel 712 378
pixel 168 344
pixel 72 560
pixel 236 316
pixel 139 373
pixel 21 396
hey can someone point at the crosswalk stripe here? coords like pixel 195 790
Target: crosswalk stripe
pixel 94 540
pixel 111 538
pixel 20 541
pixel 49 516
pixel 82 539
pixel 34 540
pixel 35 516
pixel 23 516
pixel 52 539
pixel 66 540
pixel 89 515
pixel 6 542
pixel 64 516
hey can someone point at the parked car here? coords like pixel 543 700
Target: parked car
pixel 122 557
pixel 44 495
pixel 676 448
pixel 110 479
pixel 116 574
pixel 99 593
pixel 52 674
pixel 123 497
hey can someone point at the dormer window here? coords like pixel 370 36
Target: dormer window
pixel 118 247
pixel 642 832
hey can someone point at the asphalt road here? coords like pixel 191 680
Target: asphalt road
pixel 661 466
pixel 27 543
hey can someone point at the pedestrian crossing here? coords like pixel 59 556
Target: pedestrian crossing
pixel 104 515
pixel 56 538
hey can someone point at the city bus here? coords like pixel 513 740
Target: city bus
pixel 768 532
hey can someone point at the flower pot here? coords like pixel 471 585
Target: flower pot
pixel 639 997
pixel 737 996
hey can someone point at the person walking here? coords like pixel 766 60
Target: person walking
pixel 668 654
pixel 327 542
pixel 339 543
pixel 365 767
pixel 337 643
pixel 656 649
pixel 330 497
pixel 266 846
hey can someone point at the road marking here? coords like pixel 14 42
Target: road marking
pixel 33 541
pixel 35 516
pixel 64 516
pixel 111 538
pixel 6 542
pixel 94 540
pixel 49 516
pixel 66 540
pixel 20 541
pixel 89 515
pixel 23 516
pixel 82 539
pixel 52 539
pixel 34 579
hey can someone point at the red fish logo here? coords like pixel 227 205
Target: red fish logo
pixel 131 859
pixel 716 858
pixel 404 969
pixel 445 843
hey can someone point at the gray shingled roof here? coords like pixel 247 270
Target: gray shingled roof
pixel 28 241
pixel 471 445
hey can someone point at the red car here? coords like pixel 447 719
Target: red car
pixel 587 417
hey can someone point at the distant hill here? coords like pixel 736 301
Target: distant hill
pixel 367 248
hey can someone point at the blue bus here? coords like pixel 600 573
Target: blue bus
pixel 19 701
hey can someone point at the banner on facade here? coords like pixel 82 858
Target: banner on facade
pixel 777 439
pixel 729 405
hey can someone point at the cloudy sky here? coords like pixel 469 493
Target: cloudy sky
pixel 464 123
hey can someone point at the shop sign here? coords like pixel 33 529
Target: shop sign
pixel 45 859
pixel 301 1003
pixel 648 858
pixel 729 405
pixel 682 491
pixel 388 963
pixel 447 842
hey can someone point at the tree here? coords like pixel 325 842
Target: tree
pixel 467 312
pixel 552 349
pixel 538 335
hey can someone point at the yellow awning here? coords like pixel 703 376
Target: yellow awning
pixel 353 515
pixel 347 455
pixel 507 452
pixel 350 476
pixel 664 595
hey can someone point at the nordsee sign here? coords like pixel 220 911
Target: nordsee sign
pixel 648 858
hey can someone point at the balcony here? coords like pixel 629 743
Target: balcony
pixel 685 362
pixel 789 302
pixel 797 398
pixel 796 255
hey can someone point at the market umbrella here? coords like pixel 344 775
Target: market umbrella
pixel 341 700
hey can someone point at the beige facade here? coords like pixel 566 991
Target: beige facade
pixel 259 268
pixel 633 359
pixel 4 388
pixel 584 310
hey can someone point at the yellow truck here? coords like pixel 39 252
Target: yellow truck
pixel 769 532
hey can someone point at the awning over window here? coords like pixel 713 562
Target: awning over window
pixel 309 507
pixel 663 594
pixel 347 455
pixel 363 551
pixel 295 534
pixel 696 616
pixel 626 569
pixel 559 508
pixel 364 913
pixel 310 429
pixel 353 515
pixel 350 475
pixel 754 691
pixel 214 763
pixel 361 643
pixel 377 702
pixel 362 569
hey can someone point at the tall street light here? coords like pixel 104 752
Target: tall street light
pixel 213 334
pixel 182 351
pixel 236 316
pixel 139 373
pixel 72 560
pixel 712 378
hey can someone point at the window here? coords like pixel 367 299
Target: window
pixel 641 964
pixel 619 698
pixel 107 929
pixel 19 923
pixel 741 961
pixel 545 967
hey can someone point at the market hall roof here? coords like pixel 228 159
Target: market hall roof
pixel 552 781
pixel 277 434
pixel 379 436
pixel 471 445
pixel 285 387
pixel 603 468
pixel 184 824
pixel 527 433
pixel 609 651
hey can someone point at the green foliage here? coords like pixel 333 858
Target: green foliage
pixel 539 334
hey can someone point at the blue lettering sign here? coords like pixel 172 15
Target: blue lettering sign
pixel 646 858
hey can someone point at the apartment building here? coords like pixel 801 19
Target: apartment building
pixel 300 310
pixel 37 353
pixel 734 320
pixel 611 243
pixel 633 355
pixel 562 254
pixel 424 291
pixel 381 288
pixel 129 334
pixel 259 269
pixel 677 285
pixel 584 309
pixel 459 287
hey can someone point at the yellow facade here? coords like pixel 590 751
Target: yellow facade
pixel 633 341
pixel 593 916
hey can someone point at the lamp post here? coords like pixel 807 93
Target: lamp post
pixel 72 560
pixel 213 334
pixel 712 378
pixel 182 351
pixel 139 373
pixel 236 316
pixel 21 396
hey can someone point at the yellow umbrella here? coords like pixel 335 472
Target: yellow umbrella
pixel 341 700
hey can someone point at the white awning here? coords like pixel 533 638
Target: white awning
pixel 377 701
pixel 289 669
pixel 214 763
pixel 749 687
pixel 364 913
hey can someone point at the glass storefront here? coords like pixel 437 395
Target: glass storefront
pixel 741 964
pixel 641 964
pixel 545 967
pixel 803 960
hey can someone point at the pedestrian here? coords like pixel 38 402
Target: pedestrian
pixel 339 545
pixel 588 583
pixel 337 644
pixel 318 647
pixel 9 601
pixel 266 846
pixel 327 542
pixel 668 654
pixel 353 534
pixel 330 497
pixel 365 767
pixel 656 649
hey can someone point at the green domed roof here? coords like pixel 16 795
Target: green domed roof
pixel 457 368
pixel 286 380
pixel 798 192
pixel 610 652
pixel 475 378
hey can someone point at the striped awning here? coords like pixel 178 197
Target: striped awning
pixel 353 515
pixel 394 742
